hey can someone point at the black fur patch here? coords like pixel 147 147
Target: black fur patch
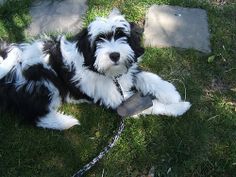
pixel 135 40
pixel 38 73
pixel 83 45
pixel 31 105
pixel 64 73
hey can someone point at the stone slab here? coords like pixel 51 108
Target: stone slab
pixel 2 2
pixel 174 26
pixel 56 16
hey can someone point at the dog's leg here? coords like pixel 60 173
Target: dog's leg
pixel 149 83
pixel 58 121
pixel 173 109
pixel 52 119
pixel 167 100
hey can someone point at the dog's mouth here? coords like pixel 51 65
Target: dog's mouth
pixel 116 63
pixel 116 69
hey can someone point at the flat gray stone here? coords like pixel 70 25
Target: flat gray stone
pixel 56 16
pixel 174 26
pixel 2 2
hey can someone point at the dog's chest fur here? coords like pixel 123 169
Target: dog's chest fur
pixel 110 91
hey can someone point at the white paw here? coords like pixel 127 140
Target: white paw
pixel 168 97
pixel 113 100
pixel 167 93
pixel 174 109
pixel 70 121
pixel 180 108
pixel 58 121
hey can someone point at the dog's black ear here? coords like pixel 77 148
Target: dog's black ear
pixel 135 40
pixel 84 46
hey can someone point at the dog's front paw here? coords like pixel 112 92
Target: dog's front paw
pixel 112 100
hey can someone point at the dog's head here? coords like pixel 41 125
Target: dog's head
pixel 110 45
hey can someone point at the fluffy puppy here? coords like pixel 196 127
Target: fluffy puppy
pixel 99 65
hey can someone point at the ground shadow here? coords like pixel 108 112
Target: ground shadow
pixel 14 18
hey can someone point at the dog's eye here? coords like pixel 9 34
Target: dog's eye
pixel 119 33
pixel 101 37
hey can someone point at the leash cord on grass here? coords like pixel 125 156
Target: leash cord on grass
pixel 89 165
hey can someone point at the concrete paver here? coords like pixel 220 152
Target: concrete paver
pixel 167 26
pixel 56 16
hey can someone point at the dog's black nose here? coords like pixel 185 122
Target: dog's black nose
pixel 114 56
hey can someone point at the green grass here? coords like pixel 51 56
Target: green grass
pixel 14 18
pixel 201 143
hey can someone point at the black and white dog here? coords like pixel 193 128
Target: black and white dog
pixel 100 65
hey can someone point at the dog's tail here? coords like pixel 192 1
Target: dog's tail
pixel 9 57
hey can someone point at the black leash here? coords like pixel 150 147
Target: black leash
pixel 103 152
pixel 110 145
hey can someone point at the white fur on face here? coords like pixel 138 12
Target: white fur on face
pixel 106 25
pixel 103 62
pixel 106 46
